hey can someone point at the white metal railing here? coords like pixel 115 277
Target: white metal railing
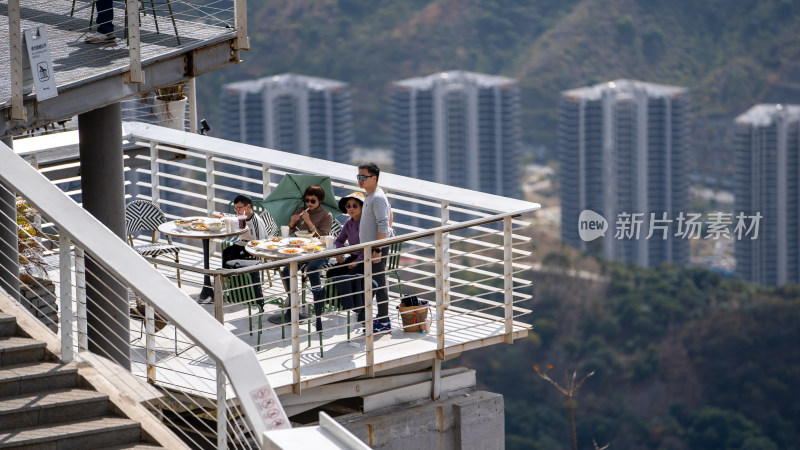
pixel 463 251
pixel 121 273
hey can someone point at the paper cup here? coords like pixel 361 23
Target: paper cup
pixel 329 242
pixel 285 231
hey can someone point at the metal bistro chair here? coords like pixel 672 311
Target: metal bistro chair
pixel 393 264
pixel 143 215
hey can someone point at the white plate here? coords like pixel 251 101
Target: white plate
pixel 291 251
pixel 295 241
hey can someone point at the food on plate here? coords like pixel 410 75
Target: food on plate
pixel 254 243
pixel 297 241
pixel 276 239
pixel 183 223
pixel 273 246
pixel 318 248
pixel 290 251
pixel 200 226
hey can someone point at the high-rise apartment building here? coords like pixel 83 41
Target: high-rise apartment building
pixel 767 180
pixel 293 113
pixel 624 149
pixel 458 128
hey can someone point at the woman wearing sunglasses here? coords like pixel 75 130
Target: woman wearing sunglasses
pixel 315 219
pixel 312 217
pixel 351 205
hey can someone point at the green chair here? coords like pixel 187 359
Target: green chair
pixel 238 289
pixel 393 263
pixel 335 303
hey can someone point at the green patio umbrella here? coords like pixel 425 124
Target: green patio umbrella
pixel 288 196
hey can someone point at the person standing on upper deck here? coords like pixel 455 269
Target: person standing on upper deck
pixel 375 226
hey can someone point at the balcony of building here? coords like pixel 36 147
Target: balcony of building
pixel 464 252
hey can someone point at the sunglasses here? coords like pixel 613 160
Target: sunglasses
pixel 363 177
pixel 352 206
pixel 310 200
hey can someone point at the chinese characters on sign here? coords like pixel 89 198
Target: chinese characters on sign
pixel 689 226
pixel 592 225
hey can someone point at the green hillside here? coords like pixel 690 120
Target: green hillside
pixel 683 359
pixel 731 54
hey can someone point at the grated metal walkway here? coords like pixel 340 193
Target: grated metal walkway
pixel 77 63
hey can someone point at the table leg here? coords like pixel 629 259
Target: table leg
pixel 208 290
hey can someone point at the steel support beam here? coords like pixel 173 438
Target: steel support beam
pixel 102 185
pixel 107 89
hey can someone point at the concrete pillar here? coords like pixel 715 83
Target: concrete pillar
pixel 457 421
pixel 9 256
pixel 102 185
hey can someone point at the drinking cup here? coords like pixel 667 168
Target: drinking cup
pixel 285 231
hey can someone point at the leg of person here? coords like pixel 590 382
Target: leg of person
pixel 382 294
pixel 105 24
pixel 228 254
pixel 314 272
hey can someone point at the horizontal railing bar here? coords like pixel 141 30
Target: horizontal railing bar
pixel 275 158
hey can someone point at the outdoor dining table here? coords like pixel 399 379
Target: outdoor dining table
pixel 274 255
pixel 174 230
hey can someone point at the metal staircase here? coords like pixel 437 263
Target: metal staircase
pixel 47 404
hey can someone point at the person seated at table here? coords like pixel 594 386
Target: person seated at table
pixel 312 217
pixel 315 219
pixel 256 230
pixel 351 205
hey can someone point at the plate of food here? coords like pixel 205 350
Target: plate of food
pixel 184 223
pixel 304 234
pixel 212 226
pixel 295 241
pixel 312 247
pixel 275 239
pixel 292 251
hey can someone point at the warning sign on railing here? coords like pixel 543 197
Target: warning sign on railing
pixel 41 67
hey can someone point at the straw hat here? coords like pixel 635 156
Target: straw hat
pixel 354 195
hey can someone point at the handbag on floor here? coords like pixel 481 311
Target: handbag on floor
pixel 413 313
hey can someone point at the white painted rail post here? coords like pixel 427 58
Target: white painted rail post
pixel 266 178
pixel 240 11
pixel 135 74
pixel 211 193
pixel 294 299
pixel 222 405
pixel 154 178
pixel 439 274
pixel 368 312
pixel 446 256
pixel 15 48
pixel 508 281
pixel 65 317
pixel 80 293
pixel 150 342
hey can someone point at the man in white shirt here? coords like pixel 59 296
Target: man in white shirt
pixel 256 230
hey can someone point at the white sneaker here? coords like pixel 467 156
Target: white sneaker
pixel 100 38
